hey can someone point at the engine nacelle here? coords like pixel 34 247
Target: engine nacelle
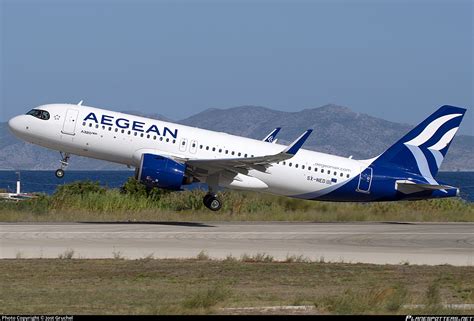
pixel 162 172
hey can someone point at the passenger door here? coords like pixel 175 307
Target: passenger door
pixel 365 181
pixel 69 126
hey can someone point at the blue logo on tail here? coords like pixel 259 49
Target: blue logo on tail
pixel 423 149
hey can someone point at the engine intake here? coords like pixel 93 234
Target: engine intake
pixel 162 172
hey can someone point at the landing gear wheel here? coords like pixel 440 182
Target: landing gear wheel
pixel 59 173
pixel 212 202
pixel 64 162
pixel 206 199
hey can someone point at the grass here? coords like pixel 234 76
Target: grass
pixel 152 286
pixel 205 299
pixel 87 201
pixel 67 255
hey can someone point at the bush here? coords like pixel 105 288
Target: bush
pixel 135 188
pixel 78 188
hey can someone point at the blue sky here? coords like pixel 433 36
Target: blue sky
pixel 398 60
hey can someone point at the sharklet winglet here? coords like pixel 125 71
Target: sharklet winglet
pixel 296 145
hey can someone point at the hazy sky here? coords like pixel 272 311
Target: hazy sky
pixel 398 60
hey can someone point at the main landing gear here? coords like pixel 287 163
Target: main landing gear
pixel 64 162
pixel 212 202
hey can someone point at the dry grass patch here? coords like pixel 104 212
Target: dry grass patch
pixel 152 286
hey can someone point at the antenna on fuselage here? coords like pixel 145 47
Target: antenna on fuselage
pixel 80 103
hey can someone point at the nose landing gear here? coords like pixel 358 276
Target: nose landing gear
pixel 64 162
pixel 59 173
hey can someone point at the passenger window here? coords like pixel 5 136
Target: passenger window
pixel 135 133
pixel 167 140
pixel 239 154
pixel 322 170
pixel 96 125
pixel 290 164
pixel 296 165
pixel 103 127
pixel 233 152
pixel 84 123
pixel 207 147
pixel 200 146
pixel 147 136
pixel 110 129
pixel 226 152
pixel 213 149
pixel 335 173
pixel 245 155
pixel 141 135
pixel 348 176
pixel 284 163
pixel 174 141
pixel 309 168
pixel 161 139
pixel 342 174
pixel 90 125
pixel 116 129
pixel 220 150
pixel 154 137
pixel 183 143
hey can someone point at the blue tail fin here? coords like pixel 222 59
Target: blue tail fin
pixel 423 149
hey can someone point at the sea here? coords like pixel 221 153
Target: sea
pixel 46 182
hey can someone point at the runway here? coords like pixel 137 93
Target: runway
pixel 379 243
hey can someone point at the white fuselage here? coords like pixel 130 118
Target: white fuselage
pixel 123 138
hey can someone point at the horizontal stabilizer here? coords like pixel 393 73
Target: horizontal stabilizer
pixel 409 187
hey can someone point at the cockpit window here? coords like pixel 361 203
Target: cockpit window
pixel 38 113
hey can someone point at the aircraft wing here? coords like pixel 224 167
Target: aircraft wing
pixel 205 167
pixel 270 138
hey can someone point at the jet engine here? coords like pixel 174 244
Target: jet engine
pixel 162 172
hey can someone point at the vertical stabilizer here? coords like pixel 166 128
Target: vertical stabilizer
pixel 423 149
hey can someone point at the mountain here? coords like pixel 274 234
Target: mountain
pixel 337 130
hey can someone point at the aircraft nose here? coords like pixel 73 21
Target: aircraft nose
pixel 15 124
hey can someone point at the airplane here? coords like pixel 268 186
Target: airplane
pixel 168 155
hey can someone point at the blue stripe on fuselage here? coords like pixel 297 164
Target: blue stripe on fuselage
pixel 382 189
